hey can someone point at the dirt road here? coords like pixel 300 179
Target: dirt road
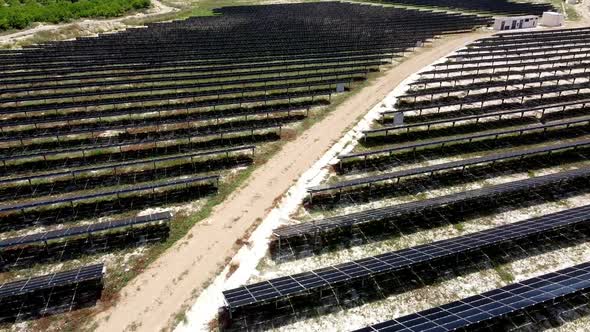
pixel 583 9
pixel 150 301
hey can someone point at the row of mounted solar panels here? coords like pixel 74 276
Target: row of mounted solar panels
pixel 125 134
pixel 496 95
pixel 468 138
pixel 459 164
pixel 51 85
pixel 453 66
pixel 556 66
pixel 491 84
pixel 481 310
pixel 16 154
pixel 17 207
pixel 318 79
pixel 182 61
pixel 506 37
pixel 477 45
pixel 280 54
pixel 263 34
pixel 522 45
pixel 304 283
pixel 33 284
pixel 56 122
pixel 315 227
pixel 116 168
pixel 84 230
pixel 295 50
pixel 205 103
pixel 248 37
pixel 115 71
pixel 452 121
pixel 524 49
pixel 241 47
pixel 176 95
pixel 164 115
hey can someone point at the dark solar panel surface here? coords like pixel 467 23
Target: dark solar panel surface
pixel 493 304
pixel 45 202
pixel 449 165
pixel 87 229
pixel 461 138
pixel 32 284
pixel 125 164
pixel 327 224
pixel 300 283
pixel 87 149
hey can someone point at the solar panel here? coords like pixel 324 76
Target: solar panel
pixel 307 282
pixel 464 138
pixel 325 225
pixel 494 304
pixel 482 84
pixel 493 133
pixel 46 202
pixel 89 229
pixel 21 287
pixel 448 166
pixel 508 69
pixel 479 98
pixel 125 164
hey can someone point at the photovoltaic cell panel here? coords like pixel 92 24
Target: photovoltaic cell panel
pixel 327 224
pixel 80 230
pixel 32 284
pixel 493 304
pixel 124 164
pixel 37 203
pixel 493 133
pixel 300 284
pixel 448 166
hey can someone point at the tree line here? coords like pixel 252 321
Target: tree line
pixel 19 14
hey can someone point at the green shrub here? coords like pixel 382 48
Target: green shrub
pixel 15 14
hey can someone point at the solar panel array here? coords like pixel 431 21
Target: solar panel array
pixel 490 306
pixel 33 284
pixel 119 102
pixel 36 297
pixel 449 166
pixel 151 116
pixel 317 227
pixel 84 230
pixel 501 107
pixel 472 71
pixel 307 283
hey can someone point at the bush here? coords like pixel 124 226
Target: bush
pixel 19 14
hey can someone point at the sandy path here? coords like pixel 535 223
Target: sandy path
pixel 583 10
pixel 151 300
pixel 89 25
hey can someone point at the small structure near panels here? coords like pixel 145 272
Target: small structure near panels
pixel 517 22
pixel 552 19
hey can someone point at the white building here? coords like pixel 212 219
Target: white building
pixel 517 22
pixel 552 19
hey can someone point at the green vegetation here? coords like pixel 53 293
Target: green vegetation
pixel 504 273
pixel 19 14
